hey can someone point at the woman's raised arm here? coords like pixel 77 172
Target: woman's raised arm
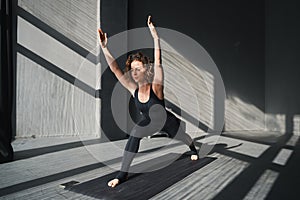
pixel 113 65
pixel 158 79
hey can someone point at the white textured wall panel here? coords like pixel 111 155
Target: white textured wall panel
pixel 49 106
pixel 49 103
pixel 188 87
pixel 56 53
pixel 240 115
pixel 75 19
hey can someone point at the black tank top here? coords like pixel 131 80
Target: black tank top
pixel 145 107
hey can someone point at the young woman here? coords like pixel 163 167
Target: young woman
pixel 144 80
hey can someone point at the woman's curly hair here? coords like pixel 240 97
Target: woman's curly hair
pixel 146 62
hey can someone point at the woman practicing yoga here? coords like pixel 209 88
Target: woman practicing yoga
pixel 144 80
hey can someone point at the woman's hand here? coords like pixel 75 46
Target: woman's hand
pixel 102 37
pixel 152 28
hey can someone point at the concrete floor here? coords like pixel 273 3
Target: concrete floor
pixel 240 165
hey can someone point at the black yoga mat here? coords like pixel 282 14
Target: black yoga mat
pixel 143 185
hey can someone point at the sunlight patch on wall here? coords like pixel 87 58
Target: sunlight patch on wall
pixel 55 52
pixel 47 105
pixel 76 19
pixel 296 122
pixel 275 122
pixel 182 77
pixel 240 115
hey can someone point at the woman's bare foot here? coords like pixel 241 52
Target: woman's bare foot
pixel 113 183
pixel 194 157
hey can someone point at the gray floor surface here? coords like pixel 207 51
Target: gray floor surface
pixel 235 165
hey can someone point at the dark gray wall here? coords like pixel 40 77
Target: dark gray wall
pixel 253 43
pixel 282 64
pixel 113 20
pixel 233 34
